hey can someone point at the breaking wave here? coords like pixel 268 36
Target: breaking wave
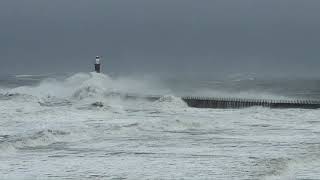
pixel 88 85
pixel 70 87
pixel 170 101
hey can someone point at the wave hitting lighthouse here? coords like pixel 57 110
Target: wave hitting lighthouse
pixel 97 65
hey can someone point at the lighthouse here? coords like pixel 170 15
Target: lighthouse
pixel 97 65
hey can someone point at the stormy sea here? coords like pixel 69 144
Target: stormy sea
pixel 81 126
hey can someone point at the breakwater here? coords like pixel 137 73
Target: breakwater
pixel 229 103
pixel 224 103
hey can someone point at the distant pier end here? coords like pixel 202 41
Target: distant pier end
pixel 97 65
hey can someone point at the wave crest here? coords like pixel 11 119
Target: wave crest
pixel 170 101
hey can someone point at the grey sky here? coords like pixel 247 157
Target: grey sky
pixel 185 36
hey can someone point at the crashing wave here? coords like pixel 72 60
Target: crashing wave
pixel 87 92
pixel 54 101
pixel 79 86
pixel 83 89
pixel 170 101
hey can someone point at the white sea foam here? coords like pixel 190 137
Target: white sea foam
pixel 40 138
pixel 52 131
pixel 297 169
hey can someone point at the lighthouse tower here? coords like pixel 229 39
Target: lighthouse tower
pixel 97 65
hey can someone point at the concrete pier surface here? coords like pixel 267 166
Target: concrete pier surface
pixel 236 103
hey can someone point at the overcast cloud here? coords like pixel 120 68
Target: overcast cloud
pixel 161 36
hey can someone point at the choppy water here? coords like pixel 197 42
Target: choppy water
pixel 50 130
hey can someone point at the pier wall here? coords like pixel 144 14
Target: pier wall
pixel 235 103
pixel 225 103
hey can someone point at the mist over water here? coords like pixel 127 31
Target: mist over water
pixel 49 129
pixel 235 85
